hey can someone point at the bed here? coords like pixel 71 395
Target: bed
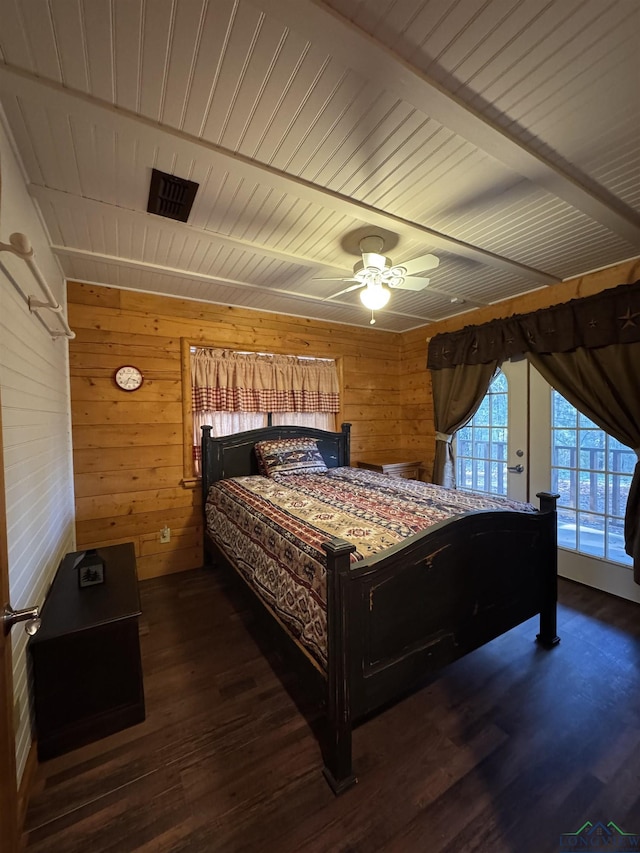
pixel 387 618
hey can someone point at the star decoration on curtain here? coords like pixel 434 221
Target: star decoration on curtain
pixel 630 318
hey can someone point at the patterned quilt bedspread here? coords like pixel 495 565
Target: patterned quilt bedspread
pixel 272 530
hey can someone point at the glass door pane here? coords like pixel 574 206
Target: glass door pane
pixel 496 438
pixel 591 472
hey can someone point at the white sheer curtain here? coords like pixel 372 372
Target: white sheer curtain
pixel 223 423
pixel 317 420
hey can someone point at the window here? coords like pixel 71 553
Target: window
pixel 592 472
pixel 481 445
pixel 235 391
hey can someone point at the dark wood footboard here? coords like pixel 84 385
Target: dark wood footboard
pixel 428 602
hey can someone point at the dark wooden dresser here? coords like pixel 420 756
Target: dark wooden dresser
pixel 87 671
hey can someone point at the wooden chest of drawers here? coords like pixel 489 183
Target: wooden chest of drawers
pixel 393 466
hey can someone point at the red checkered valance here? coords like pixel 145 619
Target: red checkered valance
pixel 228 381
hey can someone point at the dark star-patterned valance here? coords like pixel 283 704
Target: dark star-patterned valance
pixel 609 317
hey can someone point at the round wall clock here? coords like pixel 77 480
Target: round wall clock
pixel 128 378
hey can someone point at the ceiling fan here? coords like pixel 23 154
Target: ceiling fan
pixel 376 273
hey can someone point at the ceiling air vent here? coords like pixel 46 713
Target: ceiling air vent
pixel 170 196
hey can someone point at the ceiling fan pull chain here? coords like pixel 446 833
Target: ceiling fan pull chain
pixel 372 321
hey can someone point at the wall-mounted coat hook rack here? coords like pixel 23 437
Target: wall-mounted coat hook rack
pixel 20 246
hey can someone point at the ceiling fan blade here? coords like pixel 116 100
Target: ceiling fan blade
pixel 347 289
pixel 421 264
pixel 335 279
pixel 412 283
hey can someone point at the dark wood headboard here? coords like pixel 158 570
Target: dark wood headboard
pixel 234 456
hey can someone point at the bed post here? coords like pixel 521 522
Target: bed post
pixel 548 619
pixel 346 444
pixel 204 473
pixel 337 748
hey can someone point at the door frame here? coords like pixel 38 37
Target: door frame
pixel 8 779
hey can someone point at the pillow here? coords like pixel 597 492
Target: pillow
pixel 290 456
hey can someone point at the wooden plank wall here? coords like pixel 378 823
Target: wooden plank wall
pixel 417 408
pixel 417 405
pixel 128 446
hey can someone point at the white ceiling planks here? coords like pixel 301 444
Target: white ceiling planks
pixel 559 75
pixel 501 135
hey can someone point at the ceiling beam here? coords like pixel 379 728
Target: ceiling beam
pixel 162 269
pixel 358 50
pixel 23 85
pixel 104 208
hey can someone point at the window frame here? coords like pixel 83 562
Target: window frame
pixel 189 479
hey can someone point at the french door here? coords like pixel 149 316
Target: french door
pixel 548 446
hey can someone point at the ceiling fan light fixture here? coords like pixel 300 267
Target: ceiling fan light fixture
pixel 394 280
pixel 375 275
pixel 374 297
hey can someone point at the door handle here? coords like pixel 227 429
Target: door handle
pixel 30 615
pixel 515 469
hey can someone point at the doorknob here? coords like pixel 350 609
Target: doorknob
pixel 30 615
pixel 515 469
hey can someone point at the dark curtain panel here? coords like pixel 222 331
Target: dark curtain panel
pixel 457 394
pixel 583 377
pixel 578 346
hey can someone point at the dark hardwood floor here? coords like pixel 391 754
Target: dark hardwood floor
pixel 502 751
